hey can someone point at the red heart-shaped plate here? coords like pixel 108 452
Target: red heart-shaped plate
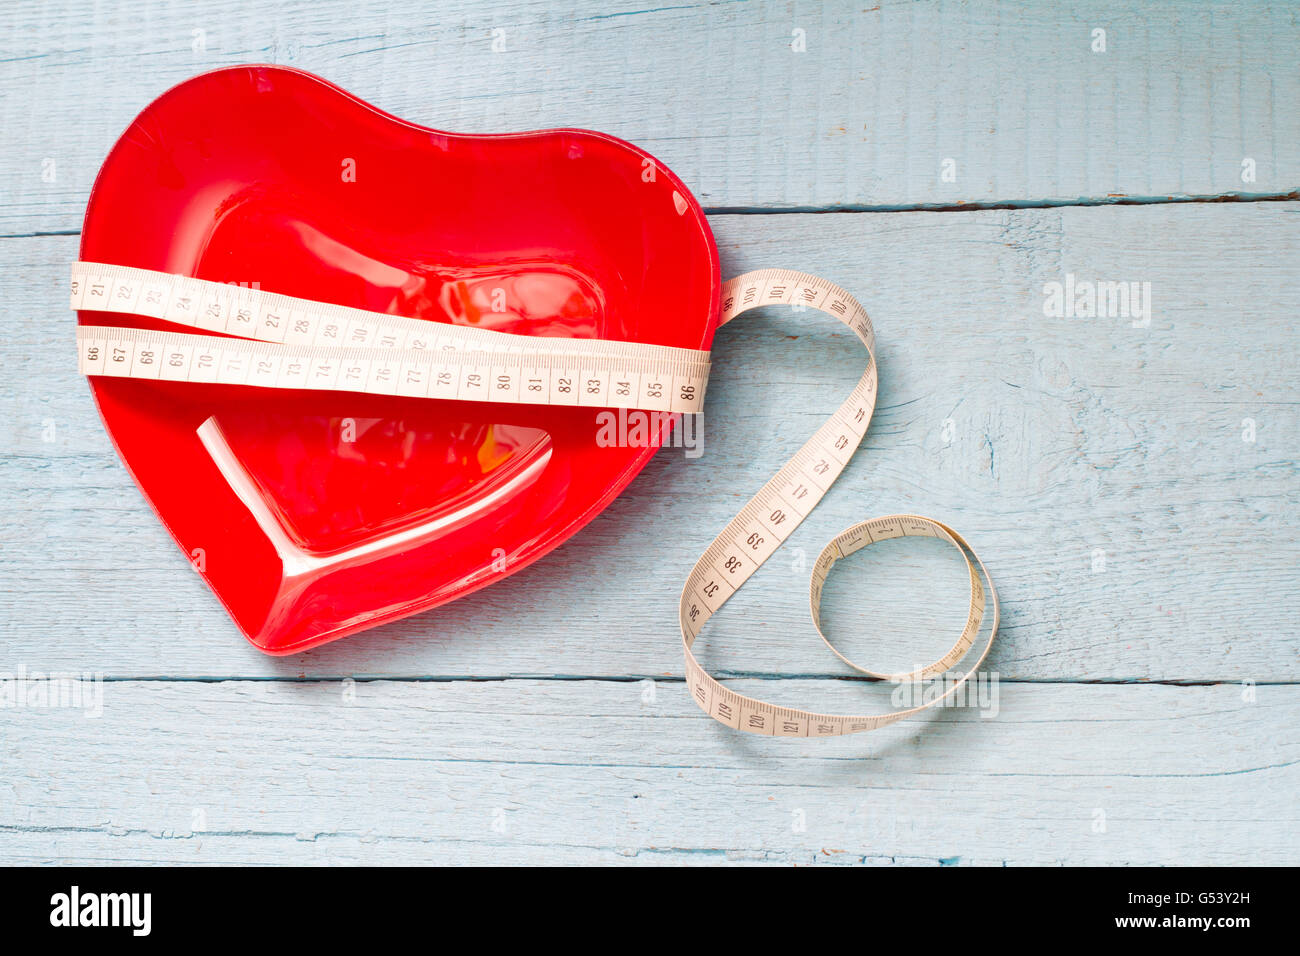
pixel 313 515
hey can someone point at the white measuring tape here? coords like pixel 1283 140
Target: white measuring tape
pixel 286 342
pixel 303 344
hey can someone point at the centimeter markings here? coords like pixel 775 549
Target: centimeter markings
pixel 285 342
pixel 302 344
pixel 271 317
pixel 540 379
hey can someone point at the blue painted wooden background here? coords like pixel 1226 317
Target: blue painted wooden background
pixel 1133 490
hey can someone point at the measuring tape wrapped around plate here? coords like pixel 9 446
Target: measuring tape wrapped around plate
pixel 276 341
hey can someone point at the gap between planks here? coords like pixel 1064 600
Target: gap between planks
pixel 974 206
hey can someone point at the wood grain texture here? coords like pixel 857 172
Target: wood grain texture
pixel 1067 435
pixel 598 771
pixel 1100 468
pixel 885 93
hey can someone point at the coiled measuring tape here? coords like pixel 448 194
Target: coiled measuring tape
pixel 276 341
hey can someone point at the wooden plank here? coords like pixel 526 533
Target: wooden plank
pixel 1043 439
pixel 598 771
pixel 885 94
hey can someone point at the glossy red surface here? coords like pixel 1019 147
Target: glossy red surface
pixel 313 515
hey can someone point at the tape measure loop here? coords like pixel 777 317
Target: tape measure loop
pixel 866 533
